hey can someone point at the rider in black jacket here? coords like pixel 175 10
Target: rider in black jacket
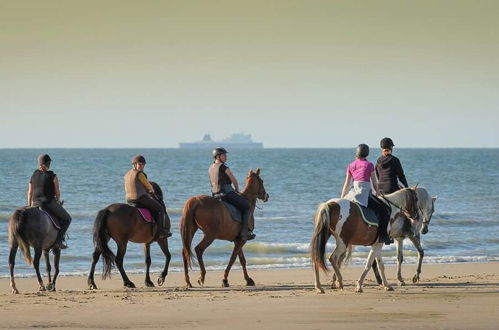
pixel 389 169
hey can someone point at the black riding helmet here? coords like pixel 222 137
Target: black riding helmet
pixel 386 143
pixel 44 159
pixel 362 151
pixel 138 159
pixel 219 151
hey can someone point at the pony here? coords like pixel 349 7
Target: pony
pixel 342 219
pixel 32 227
pixel 212 217
pixel 124 223
pixel 405 229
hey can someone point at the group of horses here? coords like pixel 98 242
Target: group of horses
pixel 30 227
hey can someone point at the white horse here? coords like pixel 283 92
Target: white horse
pixel 404 228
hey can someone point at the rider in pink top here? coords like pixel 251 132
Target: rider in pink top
pixel 361 169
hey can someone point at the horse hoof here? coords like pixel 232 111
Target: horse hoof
pixel 92 287
pixel 149 284
pixel 129 285
pixel 388 288
pixel 415 279
pixel 319 290
pixel 42 288
pixel 161 281
pixel 201 283
pixel 15 291
pixel 359 290
pixel 188 286
pixel 401 283
pixel 51 287
pixel 250 282
pixel 225 283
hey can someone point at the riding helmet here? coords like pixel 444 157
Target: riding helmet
pixel 138 159
pixel 386 143
pixel 44 159
pixel 362 151
pixel 219 151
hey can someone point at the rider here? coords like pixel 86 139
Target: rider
pixel 44 192
pixel 222 179
pixel 140 193
pixel 389 169
pixel 362 173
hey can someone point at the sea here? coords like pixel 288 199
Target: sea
pixel 464 227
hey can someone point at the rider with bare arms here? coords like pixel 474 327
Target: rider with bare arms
pixel 222 179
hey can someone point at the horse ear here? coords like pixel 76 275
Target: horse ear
pixel 434 198
pixel 250 172
pixel 257 171
pixel 416 186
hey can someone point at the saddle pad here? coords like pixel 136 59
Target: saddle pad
pixel 146 214
pixel 368 215
pixel 54 221
pixel 234 212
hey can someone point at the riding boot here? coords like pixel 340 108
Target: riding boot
pixel 245 234
pixel 60 242
pixel 383 234
pixel 167 224
pixel 160 223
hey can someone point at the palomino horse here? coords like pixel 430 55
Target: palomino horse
pixel 404 228
pixel 31 227
pixel 342 219
pixel 213 218
pixel 123 223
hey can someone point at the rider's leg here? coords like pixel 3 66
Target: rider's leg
pixel 383 217
pixel 243 205
pixel 64 220
pixel 159 212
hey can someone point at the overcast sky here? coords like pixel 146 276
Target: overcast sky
pixel 292 73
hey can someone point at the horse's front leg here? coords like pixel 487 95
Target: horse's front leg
pixel 163 244
pixel 36 265
pixel 386 286
pixel 47 264
pixel 95 259
pixel 400 259
pixel 57 258
pixel 120 255
pixel 242 260
pixel 12 263
pixel 375 250
pixel 417 243
pixel 237 248
pixel 147 253
pixel 200 248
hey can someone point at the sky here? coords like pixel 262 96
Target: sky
pixel 291 73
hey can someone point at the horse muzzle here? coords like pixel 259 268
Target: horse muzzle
pixel 265 198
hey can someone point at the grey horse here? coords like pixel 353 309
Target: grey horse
pixel 32 227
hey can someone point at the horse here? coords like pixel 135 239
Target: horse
pixel 124 223
pixel 405 229
pixel 212 217
pixel 32 227
pixel 342 219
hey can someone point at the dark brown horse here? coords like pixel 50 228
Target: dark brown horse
pixel 342 219
pixel 213 218
pixel 123 223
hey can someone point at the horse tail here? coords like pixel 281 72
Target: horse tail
pixel 348 256
pixel 320 236
pixel 16 223
pixel 187 229
pixel 100 241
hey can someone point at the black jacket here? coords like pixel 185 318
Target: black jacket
pixel 388 170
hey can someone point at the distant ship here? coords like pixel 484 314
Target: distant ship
pixel 237 140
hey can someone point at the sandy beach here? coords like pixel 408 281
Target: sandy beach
pixel 450 296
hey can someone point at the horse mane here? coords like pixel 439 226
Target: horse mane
pixel 157 189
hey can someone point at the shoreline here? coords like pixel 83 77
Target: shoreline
pixel 458 296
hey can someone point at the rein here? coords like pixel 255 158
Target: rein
pixel 400 208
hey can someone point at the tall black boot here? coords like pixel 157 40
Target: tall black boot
pixel 245 234
pixel 60 242
pixel 160 223
pixel 383 235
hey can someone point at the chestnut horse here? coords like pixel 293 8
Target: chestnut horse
pixel 212 217
pixel 342 219
pixel 123 223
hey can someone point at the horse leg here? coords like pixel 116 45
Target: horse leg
pixel 205 242
pixel 242 260
pixel 47 263
pixel 376 273
pixel 386 286
pixel 120 255
pixel 237 248
pixel 416 240
pixel 12 263
pixel 336 259
pixel 36 264
pixel 400 259
pixel 57 258
pixel 186 271
pixel 163 244
pixel 95 259
pixel 147 253
pixel 318 286
pixel 375 249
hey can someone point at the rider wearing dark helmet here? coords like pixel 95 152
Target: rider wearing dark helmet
pixel 44 192
pixel 140 193
pixel 389 169
pixel 222 179
pixel 362 173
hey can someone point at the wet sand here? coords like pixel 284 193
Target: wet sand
pixel 449 296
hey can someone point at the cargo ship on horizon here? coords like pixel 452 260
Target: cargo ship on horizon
pixel 236 140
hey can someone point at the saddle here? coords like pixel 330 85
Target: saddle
pixel 52 217
pixel 234 212
pixel 146 214
pixel 368 215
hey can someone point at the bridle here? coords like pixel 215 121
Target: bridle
pixel 403 210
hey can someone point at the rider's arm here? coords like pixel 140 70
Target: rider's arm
pixel 56 189
pixel 375 182
pixel 346 185
pixel 233 179
pixel 142 178
pixel 30 194
pixel 400 174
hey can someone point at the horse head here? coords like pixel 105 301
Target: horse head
pixel 426 207
pixel 254 185
pixel 157 190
